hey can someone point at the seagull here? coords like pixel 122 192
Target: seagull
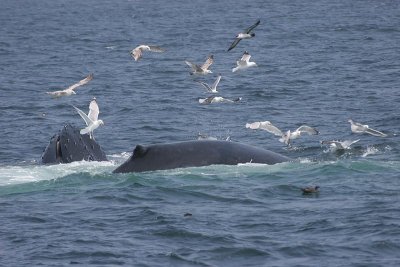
pixel 70 90
pixel 284 137
pixel 310 189
pixel 244 62
pixel 137 52
pixel 244 35
pixel 196 69
pixel 360 128
pixel 339 144
pixel 201 136
pixel 217 99
pixel 213 88
pixel 91 120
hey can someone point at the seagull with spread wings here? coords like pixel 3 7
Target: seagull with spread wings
pixel 213 87
pixel 70 90
pixel 363 128
pixel 244 62
pixel 196 69
pixel 91 120
pixel 339 145
pixel 138 51
pixel 284 137
pixel 247 34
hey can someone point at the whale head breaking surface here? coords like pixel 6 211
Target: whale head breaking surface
pixel 69 145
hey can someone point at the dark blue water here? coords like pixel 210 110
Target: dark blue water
pixel 319 63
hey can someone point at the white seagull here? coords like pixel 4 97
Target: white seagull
pixel 360 128
pixel 91 120
pixel 244 35
pixel 213 87
pixel 196 69
pixel 244 62
pixel 284 137
pixel 217 99
pixel 138 51
pixel 70 90
pixel 339 145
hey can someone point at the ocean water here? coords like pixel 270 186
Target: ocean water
pixel 319 63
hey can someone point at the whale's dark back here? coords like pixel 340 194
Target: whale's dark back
pixel 69 145
pixel 195 154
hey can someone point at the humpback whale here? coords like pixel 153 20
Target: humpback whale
pixel 195 154
pixel 69 145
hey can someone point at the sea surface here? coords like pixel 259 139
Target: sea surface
pixel 320 63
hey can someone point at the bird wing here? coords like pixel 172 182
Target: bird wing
pixel 348 143
pixel 237 40
pixel 81 82
pixel 207 64
pixel 248 30
pixel 215 84
pixel 375 132
pixel 307 129
pixel 157 49
pixel 137 53
pixel 87 120
pixel 209 99
pixel 208 88
pixel 93 110
pixel 265 125
pixel 194 67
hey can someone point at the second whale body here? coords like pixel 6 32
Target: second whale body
pixel 195 154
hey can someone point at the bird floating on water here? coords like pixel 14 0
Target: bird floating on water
pixel 310 189
pixel 70 90
pixel 284 137
pixel 213 87
pixel 138 51
pixel 363 128
pixel 91 120
pixel 247 34
pixel 196 69
pixel 244 62
pixel 217 99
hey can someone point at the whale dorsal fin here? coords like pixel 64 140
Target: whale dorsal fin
pixel 139 151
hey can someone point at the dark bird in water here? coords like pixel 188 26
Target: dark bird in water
pixel 310 189
pixel 247 34
pixel 187 214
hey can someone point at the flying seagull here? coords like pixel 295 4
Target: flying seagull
pixel 244 62
pixel 339 145
pixel 360 128
pixel 91 120
pixel 138 51
pixel 213 87
pixel 196 69
pixel 284 137
pixel 244 35
pixel 217 99
pixel 70 90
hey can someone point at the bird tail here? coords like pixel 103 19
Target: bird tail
pixel 85 130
